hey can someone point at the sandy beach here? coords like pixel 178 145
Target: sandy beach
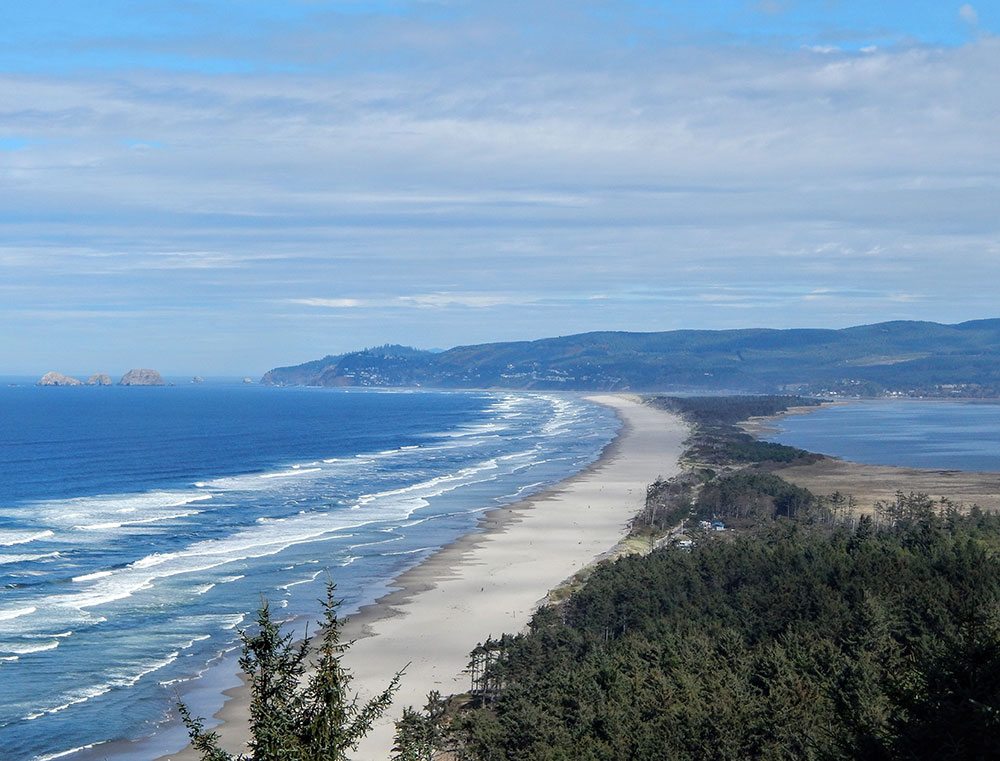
pixel 491 581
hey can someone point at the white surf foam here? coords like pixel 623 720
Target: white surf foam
pixel 11 613
pixel 57 635
pixel 231 622
pixel 258 541
pixel 374 544
pixel 11 559
pixel 476 429
pixel 72 698
pixel 91 576
pixel 64 753
pixel 294 471
pixel 410 552
pixel 119 680
pixel 307 580
pixel 108 512
pixel 410 498
pixel 13 647
pixel 162 518
pixel 267 539
pixel 130 679
pixel 11 538
pixel 564 414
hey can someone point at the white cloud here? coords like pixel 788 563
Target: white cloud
pixel 441 300
pixel 968 14
pixel 470 300
pixel 330 303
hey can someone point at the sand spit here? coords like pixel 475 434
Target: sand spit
pixel 491 581
pixel 869 484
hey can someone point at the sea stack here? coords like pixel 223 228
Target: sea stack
pixel 99 379
pixel 142 377
pixel 58 379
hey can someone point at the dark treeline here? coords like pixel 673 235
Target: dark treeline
pixel 753 495
pixel 798 640
pixel 718 441
pixel 728 410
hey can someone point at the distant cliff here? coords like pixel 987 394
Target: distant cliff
pixel 909 358
pixel 99 379
pixel 142 377
pixel 382 366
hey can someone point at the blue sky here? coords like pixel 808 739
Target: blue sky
pixel 221 187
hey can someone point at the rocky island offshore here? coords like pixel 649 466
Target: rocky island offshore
pixel 136 377
pixel 58 379
pixel 142 377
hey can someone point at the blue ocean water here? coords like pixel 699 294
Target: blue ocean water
pixel 944 435
pixel 140 526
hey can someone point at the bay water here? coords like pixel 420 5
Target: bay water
pixel 938 434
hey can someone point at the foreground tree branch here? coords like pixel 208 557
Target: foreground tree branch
pixel 318 720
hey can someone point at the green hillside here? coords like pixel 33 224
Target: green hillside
pixel 907 357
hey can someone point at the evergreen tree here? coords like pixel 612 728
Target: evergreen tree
pixel 420 735
pixel 795 640
pixel 296 713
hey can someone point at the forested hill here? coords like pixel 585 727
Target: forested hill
pixel 924 358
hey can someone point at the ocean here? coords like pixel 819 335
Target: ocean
pixel 139 528
pixel 945 435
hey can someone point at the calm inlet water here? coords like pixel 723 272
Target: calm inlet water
pixel 939 434
pixel 139 527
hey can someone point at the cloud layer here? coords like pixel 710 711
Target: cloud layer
pixel 441 174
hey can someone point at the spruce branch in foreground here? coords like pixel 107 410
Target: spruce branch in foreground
pixel 297 713
pixel 420 735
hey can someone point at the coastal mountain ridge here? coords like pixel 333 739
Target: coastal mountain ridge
pixel 902 357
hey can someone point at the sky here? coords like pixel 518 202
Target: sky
pixel 223 186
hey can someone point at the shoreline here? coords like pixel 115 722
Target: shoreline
pixel 441 608
pixel 761 425
pixel 869 484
